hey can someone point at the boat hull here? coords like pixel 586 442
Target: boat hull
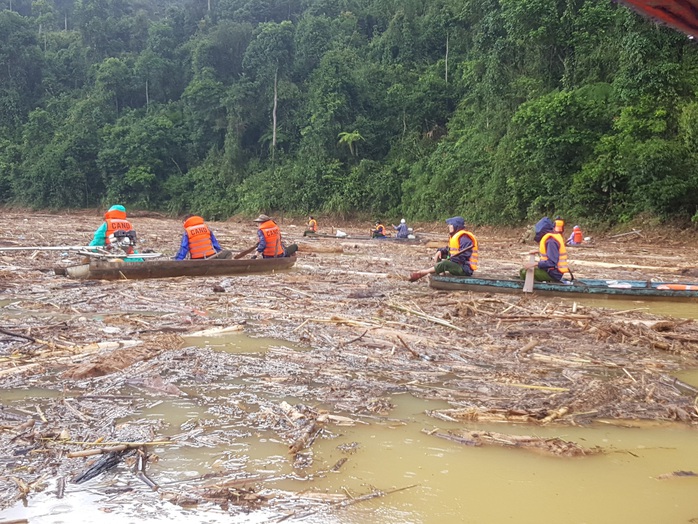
pixel 626 289
pixel 118 270
pixel 416 240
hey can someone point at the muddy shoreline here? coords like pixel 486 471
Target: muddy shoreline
pixel 108 350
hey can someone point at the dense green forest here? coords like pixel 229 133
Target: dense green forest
pixel 498 110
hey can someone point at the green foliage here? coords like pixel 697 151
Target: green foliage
pixel 497 110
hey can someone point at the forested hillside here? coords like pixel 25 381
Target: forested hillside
pixel 498 110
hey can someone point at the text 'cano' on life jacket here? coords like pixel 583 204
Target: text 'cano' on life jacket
pixel 272 236
pixel 115 221
pixel 200 245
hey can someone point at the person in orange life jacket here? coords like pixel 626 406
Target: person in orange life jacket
pixel 270 244
pixel 553 254
pixel 199 242
pixel 576 238
pixel 114 220
pixel 460 258
pixel 559 225
pixel 311 227
pixel 378 231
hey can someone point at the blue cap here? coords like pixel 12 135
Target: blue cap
pixel 456 222
pixel 117 207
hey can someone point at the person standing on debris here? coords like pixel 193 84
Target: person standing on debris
pixel 553 254
pixel 311 227
pixel 576 238
pixel 115 220
pixel 460 258
pixel 402 231
pixel 199 242
pixel 378 231
pixel 270 244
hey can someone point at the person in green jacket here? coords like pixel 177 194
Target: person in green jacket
pixel 114 220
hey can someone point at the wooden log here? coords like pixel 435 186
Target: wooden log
pixel 103 465
pixel 637 232
pixel 99 451
pixel 319 248
pixel 306 439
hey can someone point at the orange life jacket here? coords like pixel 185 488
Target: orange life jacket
pixel 272 235
pixel 115 220
pixel 454 247
pixel 200 245
pixel 380 229
pixel 577 236
pixel 312 225
pixel 562 266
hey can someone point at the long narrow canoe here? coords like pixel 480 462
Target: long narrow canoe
pixel 416 240
pixel 680 291
pixel 118 270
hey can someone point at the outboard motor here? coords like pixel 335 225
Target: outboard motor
pixel 124 240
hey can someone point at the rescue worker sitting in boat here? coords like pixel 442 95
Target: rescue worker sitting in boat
pixel 552 265
pixel 379 231
pixel 576 238
pixel 116 232
pixel 559 225
pixel 402 230
pixel 460 258
pixel 311 227
pixel 270 244
pixel 199 242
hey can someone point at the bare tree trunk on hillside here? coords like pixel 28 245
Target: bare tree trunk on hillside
pixel 273 116
pixel 447 58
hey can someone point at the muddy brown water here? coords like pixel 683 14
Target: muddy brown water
pixel 452 483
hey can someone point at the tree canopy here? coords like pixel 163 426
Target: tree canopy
pixel 497 110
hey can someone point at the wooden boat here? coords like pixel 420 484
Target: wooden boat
pixel 628 289
pixel 416 240
pixel 119 270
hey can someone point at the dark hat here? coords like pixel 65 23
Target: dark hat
pixel 543 226
pixel 262 218
pixel 456 222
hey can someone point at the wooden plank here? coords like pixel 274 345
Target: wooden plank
pixel 528 284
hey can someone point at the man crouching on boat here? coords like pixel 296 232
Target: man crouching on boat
pixel 553 254
pixel 199 242
pixel 459 258
pixel 269 235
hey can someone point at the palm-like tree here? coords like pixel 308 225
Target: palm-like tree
pixel 350 140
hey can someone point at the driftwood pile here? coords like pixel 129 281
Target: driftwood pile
pixel 103 352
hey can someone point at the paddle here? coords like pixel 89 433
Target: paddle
pixel 246 252
pixel 528 283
